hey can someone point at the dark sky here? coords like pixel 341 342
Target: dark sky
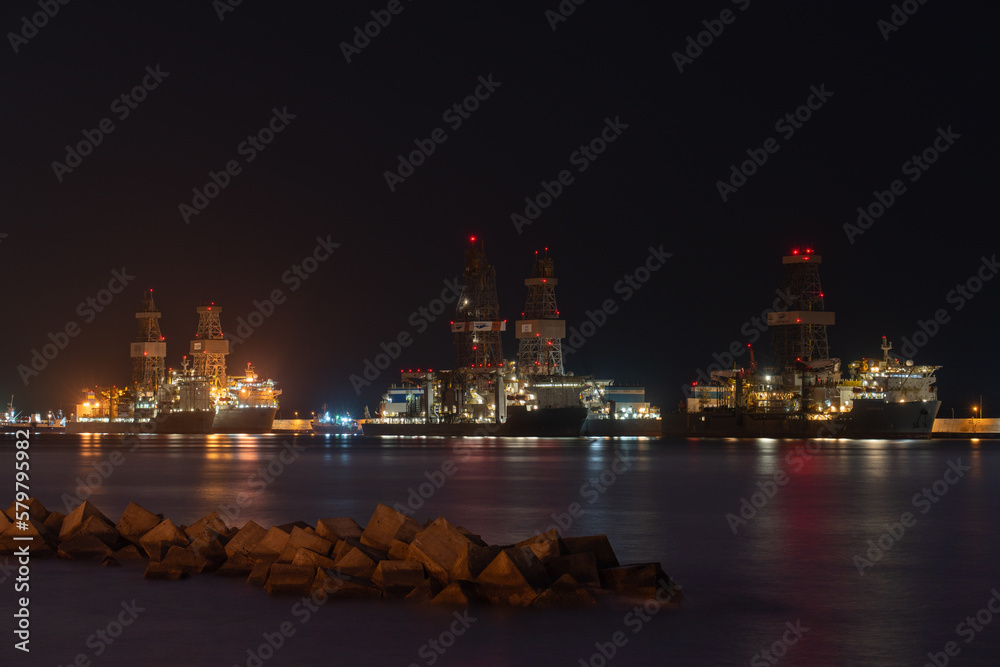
pixel 323 176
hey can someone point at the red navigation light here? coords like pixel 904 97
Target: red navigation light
pixel 545 280
pixel 748 345
pixel 430 370
pixel 472 238
pixel 546 250
pixel 805 257
pixel 809 250
pixel 795 252
pixel 821 295
pixel 536 252
pixel 798 319
pixel 694 384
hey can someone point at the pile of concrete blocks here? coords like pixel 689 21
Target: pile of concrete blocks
pixel 392 556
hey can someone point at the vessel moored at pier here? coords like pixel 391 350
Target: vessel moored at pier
pixel 805 394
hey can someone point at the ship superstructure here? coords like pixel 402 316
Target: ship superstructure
pixel 243 404
pixel 541 330
pixel 158 400
pixel 486 394
pixel 620 410
pixel 806 393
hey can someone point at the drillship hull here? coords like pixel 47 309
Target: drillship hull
pixel 878 419
pixel 601 427
pixel 545 423
pixel 245 420
pixel 867 419
pixel 183 422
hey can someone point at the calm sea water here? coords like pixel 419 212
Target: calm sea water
pixel 792 562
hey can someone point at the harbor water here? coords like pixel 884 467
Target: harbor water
pixel 824 552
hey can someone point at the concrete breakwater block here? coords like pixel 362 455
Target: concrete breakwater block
pixel 158 541
pixel 386 525
pixel 245 539
pixel 83 546
pixel 515 578
pixel 392 556
pixel 338 528
pixel 135 522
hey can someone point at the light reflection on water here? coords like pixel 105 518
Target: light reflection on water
pixel 793 559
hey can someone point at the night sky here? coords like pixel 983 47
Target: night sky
pixel 879 96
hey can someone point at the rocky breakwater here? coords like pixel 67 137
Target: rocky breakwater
pixel 392 556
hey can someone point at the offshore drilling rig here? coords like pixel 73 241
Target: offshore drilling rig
pixel 541 331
